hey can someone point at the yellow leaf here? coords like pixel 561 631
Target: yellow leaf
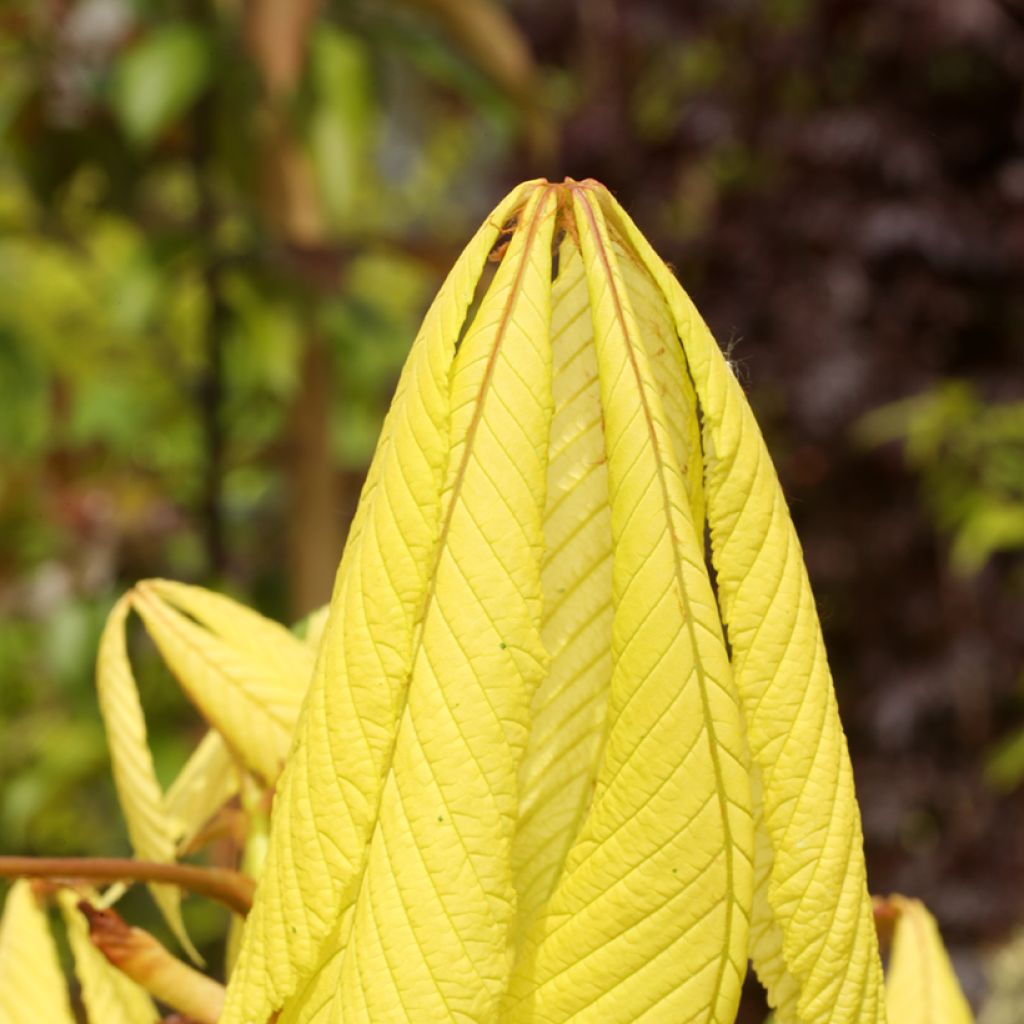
pixel 32 987
pixel 245 674
pixel 208 780
pixel 921 986
pixel 262 640
pixel 569 707
pixel 328 797
pixel 150 829
pixel 314 626
pixel 649 917
pixel 429 937
pixel 109 996
pixel 553 766
pixel 811 908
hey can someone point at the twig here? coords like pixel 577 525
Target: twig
pixel 227 887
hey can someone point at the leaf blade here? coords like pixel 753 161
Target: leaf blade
pixel 240 692
pixel 32 986
pixel 568 710
pixel 327 800
pixel 648 920
pixel 138 791
pixel 812 911
pixel 432 922
pixel 921 986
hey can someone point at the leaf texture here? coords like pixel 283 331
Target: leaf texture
pixel 648 920
pixel 329 796
pixel 32 987
pixel 569 707
pixel 430 935
pixel 109 996
pixel 245 674
pixel 812 939
pixel 150 830
pixel 921 986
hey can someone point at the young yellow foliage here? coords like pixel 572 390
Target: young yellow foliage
pixel 32 987
pixel 109 996
pixel 921 986
pixel 142 801
pixel 246 674
pixel 206 782
pixel 557 764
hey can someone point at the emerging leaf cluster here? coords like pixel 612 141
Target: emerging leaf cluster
pixel 564 747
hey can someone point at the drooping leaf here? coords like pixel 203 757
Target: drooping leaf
pixel 246 674
pixel 142 802
pixel 32 987
pixel 109 995
pixel 811 906
pixel 328 798
pixel 208 780
pixel 921 986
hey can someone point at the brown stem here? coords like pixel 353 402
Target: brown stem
pixel 227 887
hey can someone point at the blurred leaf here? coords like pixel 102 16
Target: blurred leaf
pixel 1006 984
pixel 920 985
pixel 970 458
pixel 158 79
pixel 487 33
pixel 342 118
pixel 32 988
pixel 110 997
pixel 1005 766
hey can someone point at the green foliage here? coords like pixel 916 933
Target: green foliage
pixel 158 79
pixel 969 454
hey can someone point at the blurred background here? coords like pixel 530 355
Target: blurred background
pixel 220 223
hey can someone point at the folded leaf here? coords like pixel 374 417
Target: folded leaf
pixel 431 928
pixel 649 917
pixel 811 910
pixel 328 798
pixel 921 986
pixel 569 707
pixel 245 674
pixel 151 832
pixel 32 987
pixel 109 995
pixel 208 780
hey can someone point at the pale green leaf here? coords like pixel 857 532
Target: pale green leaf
pixel 158 78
